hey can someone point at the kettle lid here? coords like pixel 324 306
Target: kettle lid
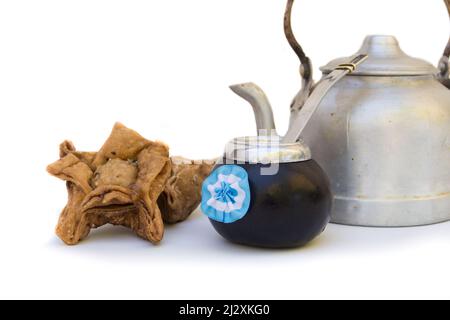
pixel 386 58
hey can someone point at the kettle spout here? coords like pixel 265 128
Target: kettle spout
pixel 262 109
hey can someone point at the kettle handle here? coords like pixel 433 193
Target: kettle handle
pixel 444 68
pixel 306 70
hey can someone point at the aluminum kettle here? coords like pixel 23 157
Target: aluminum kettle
pixel 382 134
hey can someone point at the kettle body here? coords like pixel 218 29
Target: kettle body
pixel 384 141
pixel 383 137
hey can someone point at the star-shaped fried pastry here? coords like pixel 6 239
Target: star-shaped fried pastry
pixel 121 185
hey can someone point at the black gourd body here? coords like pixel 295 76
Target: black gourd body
pixel 287 210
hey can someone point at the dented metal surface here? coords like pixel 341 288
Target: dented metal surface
pixel 383 137
pixel 384 142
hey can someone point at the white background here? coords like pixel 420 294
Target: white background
pixel 70 69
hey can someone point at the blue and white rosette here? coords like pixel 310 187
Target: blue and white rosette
pixel 226 194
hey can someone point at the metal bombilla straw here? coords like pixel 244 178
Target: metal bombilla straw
pixel 262 109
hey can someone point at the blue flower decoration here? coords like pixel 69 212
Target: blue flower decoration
pixel 226 194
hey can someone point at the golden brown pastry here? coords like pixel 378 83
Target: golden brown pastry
pixel 126 183
pixel 116 172
pixel 182 193
pixel 123 143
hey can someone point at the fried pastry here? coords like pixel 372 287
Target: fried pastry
pixel 128 183
pixel 182 193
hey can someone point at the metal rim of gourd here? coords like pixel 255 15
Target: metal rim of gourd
pixel 266 150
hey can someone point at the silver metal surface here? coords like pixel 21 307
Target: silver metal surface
pixel 266 150
pixel 383 136
pixel 262 109
pixel 310 106
pixel 386 58
pixel 384 141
